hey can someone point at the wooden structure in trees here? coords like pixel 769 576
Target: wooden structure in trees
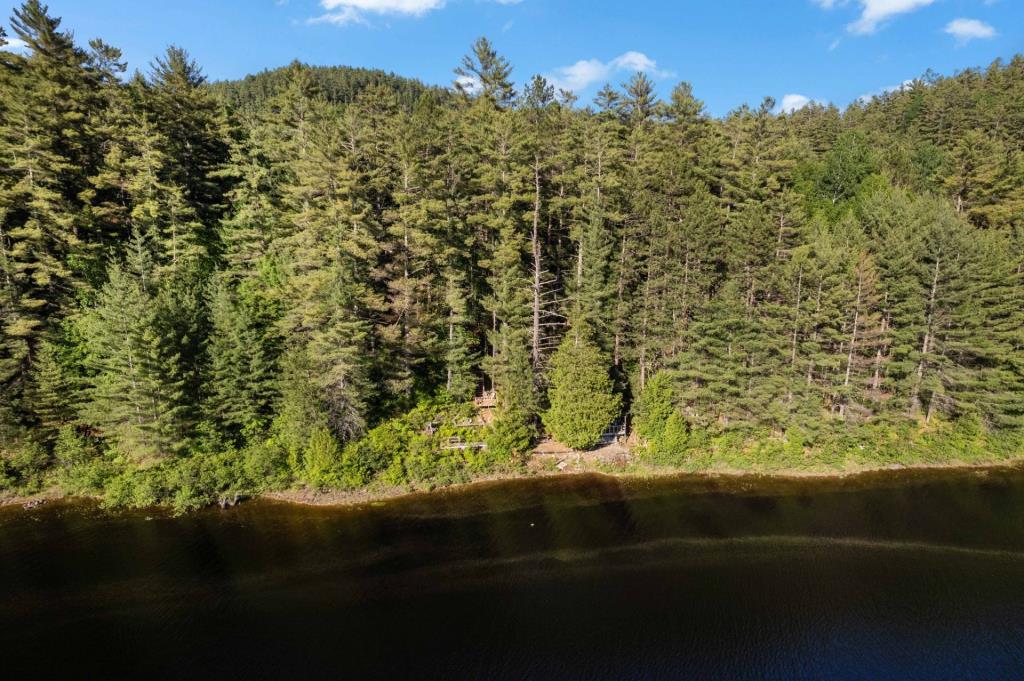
pixel 615 433
pixel 485 404
pixel 488 399
pixel 456 442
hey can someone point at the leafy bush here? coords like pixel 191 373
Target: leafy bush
pixel 24 467
pixel 263 467
pixel 7 477
pixel 654 406
pixel 320 460
pixel 72 448
pixel 509 437
pixel 668 444
pixel 365 458
pixel 135 488
pixel 87 479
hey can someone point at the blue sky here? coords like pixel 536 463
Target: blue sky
pixel 732 51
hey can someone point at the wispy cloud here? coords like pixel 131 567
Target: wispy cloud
pixel 344 12
pixel 966 30
pixel 586 72
pixel 878 12
pixel 875 13
pixel 414 7
pixel 343 16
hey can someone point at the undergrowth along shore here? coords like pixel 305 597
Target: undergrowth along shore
pixel 408 460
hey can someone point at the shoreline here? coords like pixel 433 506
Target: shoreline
pixel 364 497
pixel 369 496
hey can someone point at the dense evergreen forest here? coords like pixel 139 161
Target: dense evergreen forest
pixel 303 278
pixel 333 84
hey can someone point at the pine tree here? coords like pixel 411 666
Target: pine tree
pixel 52 393
pixel 192 130
pixel 487 73
pixel 44 145
pixel 582 398
pixel 241 380
pixel 413 276
pixel 135 392
pixel 327 265
pixel 284 263
pixel 596 227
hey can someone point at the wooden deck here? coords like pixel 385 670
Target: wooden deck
pixel 486 400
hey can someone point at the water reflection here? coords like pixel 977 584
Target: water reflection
pixel 910 575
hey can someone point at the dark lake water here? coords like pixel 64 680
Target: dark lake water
pixel 902 576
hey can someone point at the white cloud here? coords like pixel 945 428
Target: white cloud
pixel 874 13
pixel 637 61
pixel 966 30
pixel 414 7
pixel 15 45
pixel 793 102
pixel 584 73
pixel 469 84
pixel 877 12
pixel 343 16
pixel 343 12
pixel 578 76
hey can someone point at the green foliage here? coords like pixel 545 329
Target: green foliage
pixel 72 448
pixel 218 289
pixel 241 389
pixel 582 397
pixel 666 436
pixel 510 436
pixel 183 484
pixel 337 84
pixel 319 460
pixel 89 478
pixel 415 448
pixel 7 477
pixel 654 406
pixel 23 468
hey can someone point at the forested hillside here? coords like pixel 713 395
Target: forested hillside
pixel 335 84
pixel 208 290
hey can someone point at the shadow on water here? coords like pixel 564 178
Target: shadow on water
pixel 898 575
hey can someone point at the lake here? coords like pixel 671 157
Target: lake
pixel 902 575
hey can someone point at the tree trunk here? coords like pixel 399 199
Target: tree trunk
pixel 537 266
pixel 620 289
pixel 926 343
pixel 814 334
pixel 796 317
pixel 876 378
pixel 853 334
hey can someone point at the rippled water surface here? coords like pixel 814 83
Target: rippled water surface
pixel 901 576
